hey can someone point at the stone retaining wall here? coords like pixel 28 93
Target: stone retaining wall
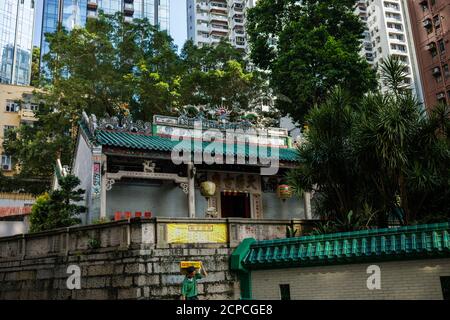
pixel 118 260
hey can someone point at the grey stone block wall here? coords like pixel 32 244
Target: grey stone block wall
pixel 118 274
pixel 127 259
pixel 124 262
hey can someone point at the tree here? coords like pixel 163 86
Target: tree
pixel 379 158
pixel 309 48
pixel 35 66
pixel 326 159
pixel 58 208
pixel 109 66
pixel 403 151
pixel 119 68
pixel 36 147
pixel 219 76
pixel 113 67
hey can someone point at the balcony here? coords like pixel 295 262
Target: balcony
pixel 218 18
pixel 219 29
pixel 92 5
pixel 202 6
pixel 128 10
pixel 237 24
pixel 91 14
pixel 219 7
pixel 27 115
pixel 202 27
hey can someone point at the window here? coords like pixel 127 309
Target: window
pixel 441 45
pixel 440 97
pixel 424 5
pixel 432 48
pixel 436 22
pixel 11 106
pixel 285 292
pixel 6 129
pixel 445 285
pixel 6 162
pixel 446 70
pixel 428 25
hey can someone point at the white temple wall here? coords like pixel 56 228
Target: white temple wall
pixel 275 208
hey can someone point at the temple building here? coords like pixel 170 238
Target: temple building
pixel 179 167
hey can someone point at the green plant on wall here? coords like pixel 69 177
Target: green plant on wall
pixel 291 232
pixel 58 208
pixel 93 243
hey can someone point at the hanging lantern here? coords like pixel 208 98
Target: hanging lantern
pixel 284 191
pixel 207 188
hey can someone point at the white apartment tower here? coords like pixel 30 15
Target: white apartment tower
pixel 209 21
pixel 388 32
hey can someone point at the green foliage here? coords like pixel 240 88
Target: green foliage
pixel 21 184
pixel 219 75
pixel 58 208
pixel 36 147
pixel 35 61
pixel 101 220
pixel 376 157
pixel 94 243
pixel 120 68
pixel 291 232
pixel 308 48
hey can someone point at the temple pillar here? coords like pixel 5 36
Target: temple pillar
pixel 307 202
pixel 96 184
pixel 103 189
pixel 191 189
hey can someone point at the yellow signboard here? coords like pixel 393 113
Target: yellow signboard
pixel 197 233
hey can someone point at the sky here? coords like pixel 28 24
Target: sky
pixel 178 29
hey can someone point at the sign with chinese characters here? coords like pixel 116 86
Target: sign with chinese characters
pixel 96 179
pixel 238 182
pixel 197 233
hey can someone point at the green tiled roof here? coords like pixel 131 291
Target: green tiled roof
pixel 410 242
pixel 155 143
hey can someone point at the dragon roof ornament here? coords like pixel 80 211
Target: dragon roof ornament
pixel 122 124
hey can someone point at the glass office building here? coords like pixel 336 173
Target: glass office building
pixel 71 13
pixel 16 41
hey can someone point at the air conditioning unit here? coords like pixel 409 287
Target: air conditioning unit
pixel 436 71
pixel 6 167
pixel 440 95
pixel 431 46
pixel 427 23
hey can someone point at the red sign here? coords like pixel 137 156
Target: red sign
pixel 14 211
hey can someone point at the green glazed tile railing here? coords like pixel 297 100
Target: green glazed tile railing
pixel 410 242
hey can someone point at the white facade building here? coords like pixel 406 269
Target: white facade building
pixel 388 32
pixel 209 21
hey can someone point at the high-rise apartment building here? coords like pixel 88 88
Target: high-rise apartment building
pixel 71 13
pixel 209 21
pixel 16 41
pixel 388 33
pixel 430 21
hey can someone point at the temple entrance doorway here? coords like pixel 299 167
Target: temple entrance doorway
pixel 235 205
